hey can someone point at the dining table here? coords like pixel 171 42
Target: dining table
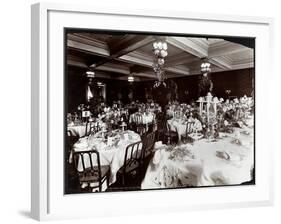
pixel 81 129
pixel 111 149
pixel 179 125
pixel 228 160
pixel 77 130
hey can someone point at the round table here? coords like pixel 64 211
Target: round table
pixel 111 153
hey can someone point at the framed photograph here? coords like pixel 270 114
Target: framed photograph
pixel 165 111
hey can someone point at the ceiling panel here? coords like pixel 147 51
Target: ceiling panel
pixel 131 53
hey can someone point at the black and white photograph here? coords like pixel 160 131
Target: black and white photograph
pixel 155 111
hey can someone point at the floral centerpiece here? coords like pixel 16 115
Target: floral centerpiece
pixel 180 153
pixel 82 107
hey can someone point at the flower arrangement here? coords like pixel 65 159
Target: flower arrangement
pixel 180 153
pixel 82 107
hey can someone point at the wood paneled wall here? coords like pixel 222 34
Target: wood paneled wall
pixel 240 82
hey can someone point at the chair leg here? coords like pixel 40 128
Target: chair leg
pixel 90 188
pixel 169 140
pixel 123 179
pixel 107 180
pixel 100 186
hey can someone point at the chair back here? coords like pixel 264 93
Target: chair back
pixel 148 144
pixel 88 163
pixel 177 114
pixel 133 154
pixel 141 129
pixel 189 127
pixel 71 138
pixel 161 125
pixel 70 141
pixel 88 128
pixel 138 118
pixel 91 128
pixel 168 127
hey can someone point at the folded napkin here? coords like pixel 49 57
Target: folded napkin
pixel 81 144
pixel 229 156
pixel 159 155
pixel 158 144
pixel 223 155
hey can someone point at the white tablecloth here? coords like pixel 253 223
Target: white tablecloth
pixel 80 130
pixel 112 155
pixel 77 130
pixel 205 168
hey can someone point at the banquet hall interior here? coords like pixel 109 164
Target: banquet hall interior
pixel 157 111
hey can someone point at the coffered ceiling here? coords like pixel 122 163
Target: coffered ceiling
pixel 117 56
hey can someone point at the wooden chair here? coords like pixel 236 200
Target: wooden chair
pixel 140 126
pixel 148 144
pixel 189 129
pixel 160 128
pixel 88 128
pixel 132 161
pixel 138 118
pixel 91 128
pixel 141 130
pixel 92 172
pixel 71 139
pixel 170 136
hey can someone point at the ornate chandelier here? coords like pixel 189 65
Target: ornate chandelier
pixel 131 78
pixel 160 52
pixel 90 74
pixel 205 67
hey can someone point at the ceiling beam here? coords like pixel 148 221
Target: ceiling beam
pixel 189 46
pixel 148 64
pixel 180 59
pixel 113 68
pixel 220 62
pixel 243 65
pixel 130 43
pixel 87 48
pixel 76 63
pixel 226 48
pixel 177 70
pixel 136 60
pixel 126 45
pixel 145 75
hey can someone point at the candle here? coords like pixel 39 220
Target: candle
pixel 208 105
pixel 200 100
pixel 209 99
pixel 215 101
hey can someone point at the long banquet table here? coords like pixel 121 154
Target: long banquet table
pixel 227 161
pixel 111 153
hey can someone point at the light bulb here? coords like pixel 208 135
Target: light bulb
pixel 163 53
pixel 155 45
pixel 156 52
